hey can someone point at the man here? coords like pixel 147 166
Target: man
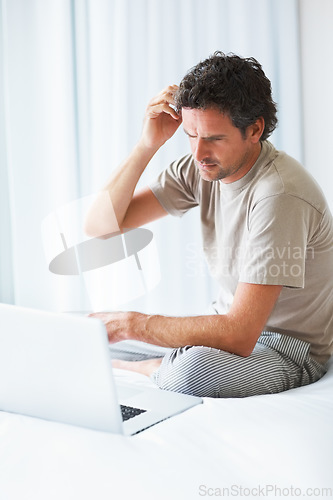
pixel 267 234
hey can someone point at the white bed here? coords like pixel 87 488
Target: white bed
pixel 279 445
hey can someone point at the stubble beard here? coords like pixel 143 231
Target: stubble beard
pixel 218 173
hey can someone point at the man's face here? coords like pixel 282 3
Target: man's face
pixel 219 149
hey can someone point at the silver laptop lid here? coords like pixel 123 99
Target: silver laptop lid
pixel 57 367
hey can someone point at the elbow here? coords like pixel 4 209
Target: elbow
pixel 241 347
pixel 88 229
pixel 100 219
pixel 93 227
pixel 245 344
pixel 91 230
pixel 241 340
pixel 244 351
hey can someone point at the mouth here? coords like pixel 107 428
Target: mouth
pixel 207 166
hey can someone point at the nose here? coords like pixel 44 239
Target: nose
pixel 201 150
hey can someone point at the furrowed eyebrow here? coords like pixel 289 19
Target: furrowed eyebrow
pixel 187 133
pixel 209 137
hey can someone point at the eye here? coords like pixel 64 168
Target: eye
pixel 214 139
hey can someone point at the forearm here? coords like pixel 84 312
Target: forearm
pixel 117 194
pixel 216 331
pixel 108 212
pixel 236 332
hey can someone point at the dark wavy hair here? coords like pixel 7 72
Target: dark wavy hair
pixel 235 86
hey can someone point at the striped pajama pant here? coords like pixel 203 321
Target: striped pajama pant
pixel 277 363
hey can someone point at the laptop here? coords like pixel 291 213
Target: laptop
pixel 57 367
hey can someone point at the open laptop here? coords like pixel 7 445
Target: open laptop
pixel 57 367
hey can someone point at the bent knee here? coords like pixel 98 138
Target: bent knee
pixel 189 370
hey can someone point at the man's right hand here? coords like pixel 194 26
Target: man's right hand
pixel 161 120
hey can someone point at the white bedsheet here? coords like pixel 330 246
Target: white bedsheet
pixel 271 445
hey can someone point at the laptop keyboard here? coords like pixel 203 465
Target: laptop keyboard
pixel 128 412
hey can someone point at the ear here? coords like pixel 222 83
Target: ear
pixel 256 130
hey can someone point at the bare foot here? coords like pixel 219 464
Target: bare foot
pixel 146 367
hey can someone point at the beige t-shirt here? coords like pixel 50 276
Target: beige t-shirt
pixel 273 226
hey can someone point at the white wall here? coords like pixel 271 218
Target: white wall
pixel 66 121
pixel 316 25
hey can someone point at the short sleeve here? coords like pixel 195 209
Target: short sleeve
pixel 276 244
pixel 176 188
